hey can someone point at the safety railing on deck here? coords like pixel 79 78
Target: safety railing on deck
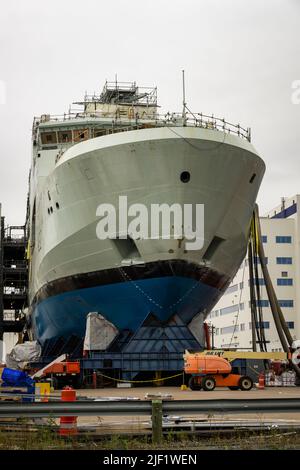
pixel 134 120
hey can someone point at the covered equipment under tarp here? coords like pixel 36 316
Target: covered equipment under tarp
pixel 21 354
pixel 99 333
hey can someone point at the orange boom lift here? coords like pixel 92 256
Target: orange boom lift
pixel 212 371
pixel 233 369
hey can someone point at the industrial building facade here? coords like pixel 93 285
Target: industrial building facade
pixel 230 320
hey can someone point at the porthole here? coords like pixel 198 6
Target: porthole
pixel 185 176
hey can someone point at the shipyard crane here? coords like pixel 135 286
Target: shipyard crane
pixel 255 252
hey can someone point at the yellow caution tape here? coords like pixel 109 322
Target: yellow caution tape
pixel 140 381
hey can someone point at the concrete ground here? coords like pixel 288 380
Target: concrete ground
pixel 178 394
pixel 142 422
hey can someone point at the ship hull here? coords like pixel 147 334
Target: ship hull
pixel 125 304
pixel 73 272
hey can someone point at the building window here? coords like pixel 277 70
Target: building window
pixel 231 309
pixel 264 238
pixel 284 273
pixel 242 326
pixel 283 239
pixel 216 331
pixel 284 260
pixel 285 282
pixel 261 303
pixel 242 306
pixel 290 324
pixel 286 303
pixel 231 289
pixel 214 313
pixel 241 285
pixel 229 329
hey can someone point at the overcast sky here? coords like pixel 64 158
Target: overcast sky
pixel 241 58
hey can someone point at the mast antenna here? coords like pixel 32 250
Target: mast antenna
pixel 183 99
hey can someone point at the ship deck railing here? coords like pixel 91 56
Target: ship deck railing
pixel 116 123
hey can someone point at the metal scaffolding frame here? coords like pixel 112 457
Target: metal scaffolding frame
pixel 1 277
pixel 13 278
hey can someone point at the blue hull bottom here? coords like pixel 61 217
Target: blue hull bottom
pixel 125 304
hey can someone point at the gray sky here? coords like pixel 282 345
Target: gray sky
pixel 240 56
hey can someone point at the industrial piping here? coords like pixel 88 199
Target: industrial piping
pixel 281 326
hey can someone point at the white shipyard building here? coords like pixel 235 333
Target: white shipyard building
pixel 231 317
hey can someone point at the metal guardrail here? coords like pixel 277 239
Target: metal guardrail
pixel 184 407
pixel 156 409
pixel 119 123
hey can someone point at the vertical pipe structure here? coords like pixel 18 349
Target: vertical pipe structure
pixel 275 307
pixel 183 99
pixel 252 296
pixel 260 326
pixel 279 320
pixel 212 337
